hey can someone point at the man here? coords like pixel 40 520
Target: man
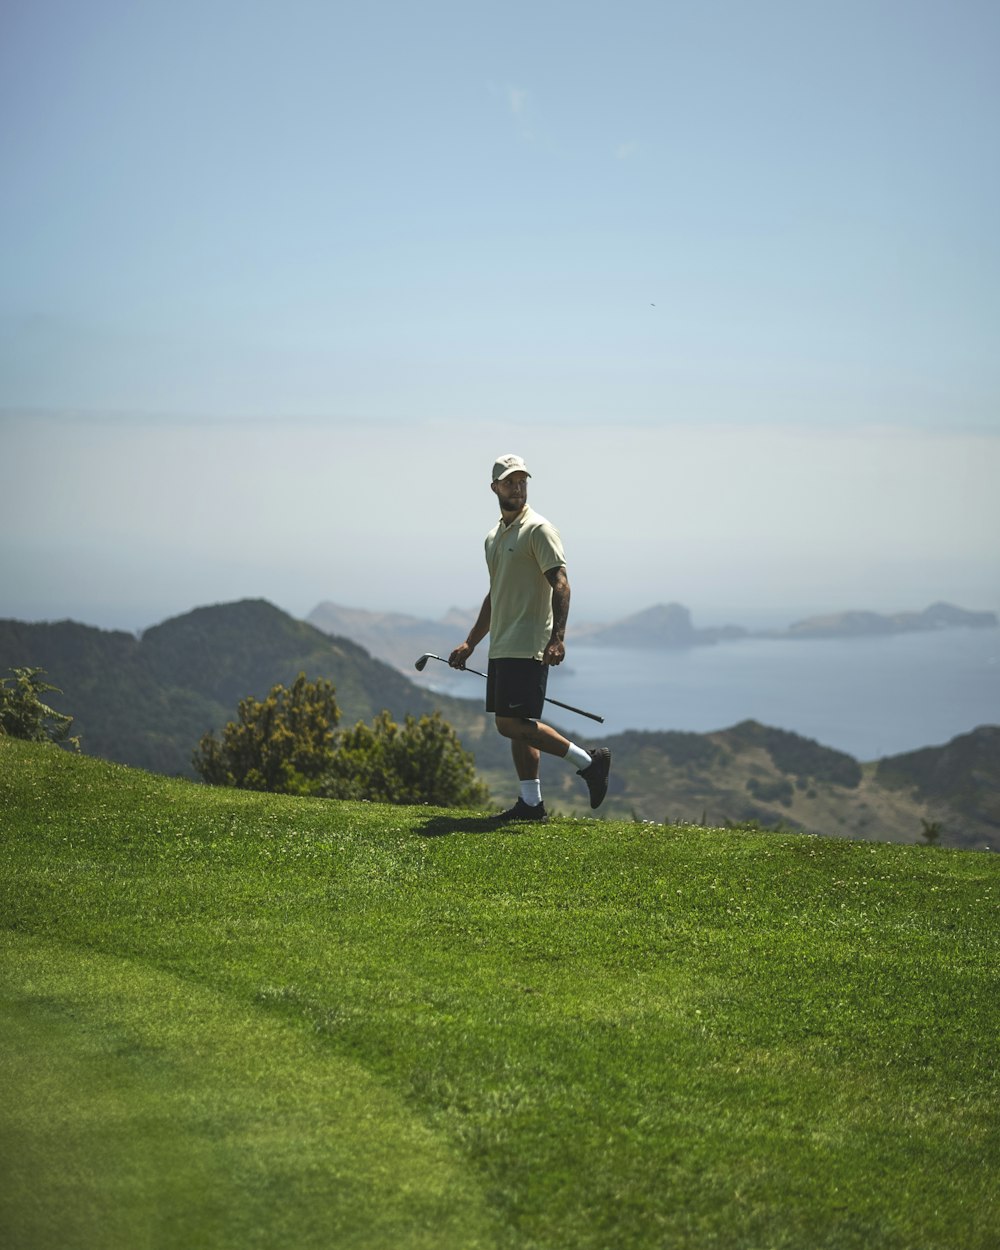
pixel 525 615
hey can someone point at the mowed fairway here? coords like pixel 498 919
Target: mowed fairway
pixel 233 1019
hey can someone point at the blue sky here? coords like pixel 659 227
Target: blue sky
pixel 323 261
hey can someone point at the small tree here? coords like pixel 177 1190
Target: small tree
pixel 24 715
pixel 284 744
pixel 288 744
pixel 420 761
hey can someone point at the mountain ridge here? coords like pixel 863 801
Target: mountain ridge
pixel 137 699
pixel 399 638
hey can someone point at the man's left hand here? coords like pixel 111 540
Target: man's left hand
pixel 554 653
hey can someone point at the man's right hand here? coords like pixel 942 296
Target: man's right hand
pixel 460 655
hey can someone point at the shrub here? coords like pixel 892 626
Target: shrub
pixel 289 744
pixel 420 761
pixel 24 715
pixel 284 744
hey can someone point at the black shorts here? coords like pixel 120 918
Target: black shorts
pixel 516 688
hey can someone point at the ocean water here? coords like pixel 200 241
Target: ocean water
pixel 869 697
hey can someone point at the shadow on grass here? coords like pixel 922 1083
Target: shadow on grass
pixel 444 826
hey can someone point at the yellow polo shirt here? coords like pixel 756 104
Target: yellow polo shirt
pixel 518 557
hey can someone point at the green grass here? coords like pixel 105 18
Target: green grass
pixel 234 1019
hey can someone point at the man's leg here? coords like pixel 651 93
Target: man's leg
pixel 529 738
pixel 523 735
pixel 515 692
pixel 526 760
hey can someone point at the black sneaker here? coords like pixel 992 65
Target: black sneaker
pixel 522 811
pixel 596 775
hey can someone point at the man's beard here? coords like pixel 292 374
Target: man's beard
pixel 513 503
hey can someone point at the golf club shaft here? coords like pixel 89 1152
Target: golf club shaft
pixel 568 706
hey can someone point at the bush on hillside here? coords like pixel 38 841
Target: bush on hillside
pixel 420 761
pixel 24 715
pixel 284 744
pixel 779 790
pixel 289 744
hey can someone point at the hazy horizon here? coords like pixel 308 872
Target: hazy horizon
pixel 124 525
pixel 703 616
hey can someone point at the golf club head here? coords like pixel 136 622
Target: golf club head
pixel 421 664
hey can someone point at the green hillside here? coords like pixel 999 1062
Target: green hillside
pixel 753 773
pixel 147 701
pixel 235 1020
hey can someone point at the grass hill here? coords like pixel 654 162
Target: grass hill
pixel 235 1019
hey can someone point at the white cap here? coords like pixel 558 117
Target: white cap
pixel 504 466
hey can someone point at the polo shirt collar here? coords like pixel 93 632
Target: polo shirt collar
pixel 521 517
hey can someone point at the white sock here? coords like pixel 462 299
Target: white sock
pixel 578 757
pixel 531 792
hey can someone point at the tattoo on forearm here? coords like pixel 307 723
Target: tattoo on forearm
pixel 560 604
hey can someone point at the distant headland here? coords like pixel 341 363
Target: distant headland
pixel 670 625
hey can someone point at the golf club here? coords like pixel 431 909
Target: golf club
pixel 421 664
